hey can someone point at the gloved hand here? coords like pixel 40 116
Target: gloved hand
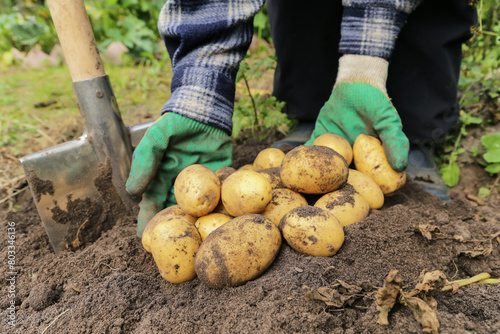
pixel 359 104
pixel 171 144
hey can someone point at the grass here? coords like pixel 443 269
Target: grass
pixel 24 129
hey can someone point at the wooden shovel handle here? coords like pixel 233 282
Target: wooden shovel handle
pixel 76 38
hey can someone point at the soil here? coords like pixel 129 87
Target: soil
pixel 113 285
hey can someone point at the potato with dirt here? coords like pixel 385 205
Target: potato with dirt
pixel 282 202
pixel 337 143
pixel 367 188
pixel 245 191
pixel 346 204
pixel 273 176
pixel 174 243
pixel 209 223
pixel 313 170
pixel 312 231
pixel 197 190
pixel 268 158
pixel 370 159
pixel 171 211
pixel 237 252
pixel 223 172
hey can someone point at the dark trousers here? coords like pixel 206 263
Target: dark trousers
pixel 423 71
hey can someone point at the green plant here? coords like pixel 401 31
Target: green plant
pixel 258 112
pixel 479 85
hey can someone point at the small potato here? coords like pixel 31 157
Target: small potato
pixel 220 208
pixel 197 190
pixel 367 188
pixel 312 231
pixel 273 176
pixel 337 143
pixel 239 251
pixel 346 204
pixel 282 202
pixel 370 159
pixel 174 243
pixel 247 167
pixel 171 211
pixel 246 192
pixel 209 223
pixel 223 172
pixel 268 158
pixel 313 170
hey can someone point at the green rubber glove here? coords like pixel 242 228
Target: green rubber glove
pixel 171 144
pixel 359 105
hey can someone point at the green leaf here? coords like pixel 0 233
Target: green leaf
pixel 491 141
pixel 493 169
pixel 493 155
pixel 451 174
pixel 483 192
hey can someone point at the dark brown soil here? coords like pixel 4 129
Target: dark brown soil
pixel 113 285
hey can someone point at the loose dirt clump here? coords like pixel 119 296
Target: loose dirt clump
pixel 113 285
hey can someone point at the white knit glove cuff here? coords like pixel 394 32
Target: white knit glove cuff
pixel 367 69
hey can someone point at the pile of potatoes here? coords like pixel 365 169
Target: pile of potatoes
pixel 228 225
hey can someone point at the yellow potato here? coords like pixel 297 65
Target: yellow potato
pixel 220 208
pixel 246 192
pixel 312 231
pixel 313 170
pixel 197 190
pixel 174 243
pixel 223 172
pixel 370 159
pixel 247 167
pixel 282 202
pixel 367 188
pixel 346 204
pixel 273 176
pixel 171 211
pixel 268 158
pixel 209 223
pixel 239 251
pixel 337 143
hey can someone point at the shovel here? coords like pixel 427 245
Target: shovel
pixel 79 186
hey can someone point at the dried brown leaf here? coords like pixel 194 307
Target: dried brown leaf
pixel 423 313
pixel 427 229
pixel 387 296
pixel 454 287
pixel 479 251
pixel 431 281
pixel 340 293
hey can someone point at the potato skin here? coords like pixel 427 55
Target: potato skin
pixel 312 231
pixel 337 143
pixel 237 252
pixel 370 159
pixel 171 211
pixel 313 170
pixel 174 243
pixel 223 172
pixel 346 204
pixel 197 190
pixel 268 158
pixel 282 202
pixel 244 192
pixel 209 223
pixel 367 188
pixel 273 176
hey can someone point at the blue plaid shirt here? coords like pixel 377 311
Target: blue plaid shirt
pixel 207 39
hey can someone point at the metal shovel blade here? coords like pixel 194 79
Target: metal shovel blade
pixel 79 186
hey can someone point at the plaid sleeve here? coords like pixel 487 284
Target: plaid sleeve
pixel 370 27
pixel 206 40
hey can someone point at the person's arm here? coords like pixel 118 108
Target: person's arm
pixel 206 40
pixel 359 101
